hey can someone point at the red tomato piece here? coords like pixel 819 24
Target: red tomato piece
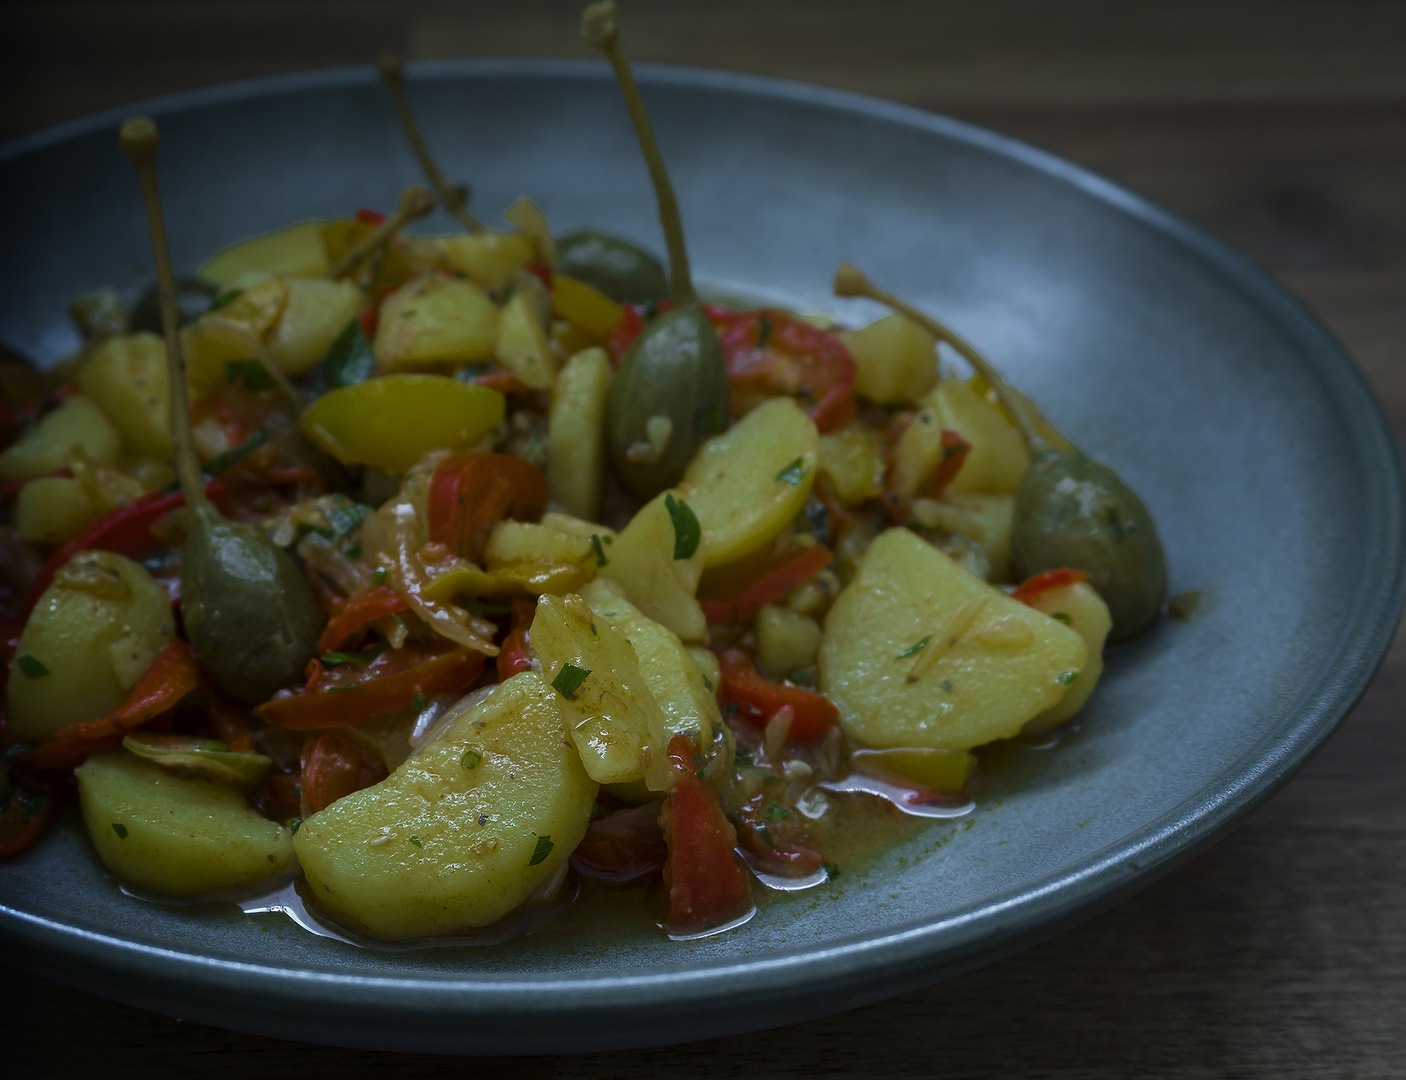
pixel 333 768
pixel 515 654
pixel 1034 585
pixel 759 699
pixel 706 884
pixel 737 601
pixel 472 492
pixel 624 846
pixel 357 613
pixel 954 455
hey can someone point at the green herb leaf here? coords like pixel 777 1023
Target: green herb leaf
pixel 228 459
pixel 31 666
pixel 224 300
pixel 687 531
pixel 360 659
pixel 120 830
pixel 416 841
pixel 418 702
pixel 350 360
pixel 295 824
pixel 569 680
pixel 742 756
pixel 831 870
pixel 915 649
pixel 354 552
pixel 1061 616
pixel 471 759
pixel 709 419
pixel 378 575
pixel 346 518
pixel 305 527
pixel 1067 677
pixel 707 683
pixel 800 676
pixel 251 373
pixel 773 812
pixel 794 473
pixel 601 560
pixel 541 851
pixel 32 802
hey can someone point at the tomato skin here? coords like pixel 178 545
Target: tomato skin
pixel 333 768
pixel 515 654
pixel 1034 585
pixel 739 601
pixel 954 455
pixel 472 492
pixel 759 699
pixel 706 883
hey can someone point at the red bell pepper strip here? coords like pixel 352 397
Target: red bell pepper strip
pixel 541 272
pixel 281 796
pixel 515 654
pixel 26 816
pixel 232 723
pixel 387 685
pixel 470 493
pixel 626 330
pixel 758 699
pixel 1034 585
pixel 169 678
pixel 504 382
pixel 706 884
pixel 772 352
pixel 357 613
pixel 333 768
pixel 370 319
pixel 738 601
pixel 624 846
pixel 125 529
pixel 954 455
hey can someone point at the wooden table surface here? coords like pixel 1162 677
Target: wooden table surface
pixel 1281 127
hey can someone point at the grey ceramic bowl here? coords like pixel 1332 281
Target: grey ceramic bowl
pixel 1267 462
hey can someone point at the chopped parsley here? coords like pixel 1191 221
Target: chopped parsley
pixel 687 531
pixel 354 552
pixel 360 659
pixel 251 373
pixel 416 841
pixel 471 759
pixel 794 473
pixel 31 666
pixel 224 300
pixel 228 459
pixel 418 702
pixel 915 649
pixel 378 575
pixel 1067 677
pixel 295 824
pixel 346 518
pixel 1061 616
pixel 800 676
pixel 599 549
pixel 773 812
pixel 305 527
pixel 831 870
pixel 350 360
pixel 120 830
pixel 569 680
pixel 541 851
pixel 742 756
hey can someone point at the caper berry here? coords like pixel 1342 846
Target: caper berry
pixel 622 270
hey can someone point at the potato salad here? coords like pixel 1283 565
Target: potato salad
pixel 447 575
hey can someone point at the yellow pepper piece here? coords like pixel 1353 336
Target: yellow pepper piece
pixel 583 306
pixel 391 420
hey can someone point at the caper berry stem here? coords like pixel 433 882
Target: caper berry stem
pixel 600 28
pixel 850 281
pixel 453 197
pixel 140 140
pixel 415 203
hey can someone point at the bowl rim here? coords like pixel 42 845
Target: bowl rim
pixel 807 980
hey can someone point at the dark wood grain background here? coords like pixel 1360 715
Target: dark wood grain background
pixel 1281 126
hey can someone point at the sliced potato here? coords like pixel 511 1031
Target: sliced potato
pixel 50 509
pixel 748 483
pixel 435 321
pixel 254 301
pixel 297 251
pixel 576 434
pixel 76 426
pixel 466 830
pixel 919 653
pixel 487 258
pixel 316 312
pixel 642 561
pixel 985 519
pixel 853 460
pixel 585 307
pixel 176 835
pixel 93 633
pixel 669 669
pixel 1088 616
pixel 895 360
pixel 786 640
pixel 126 377
pixel 210 345
pixel 998 458
pixel 523 346
pixel 618 727
pixel 538 558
